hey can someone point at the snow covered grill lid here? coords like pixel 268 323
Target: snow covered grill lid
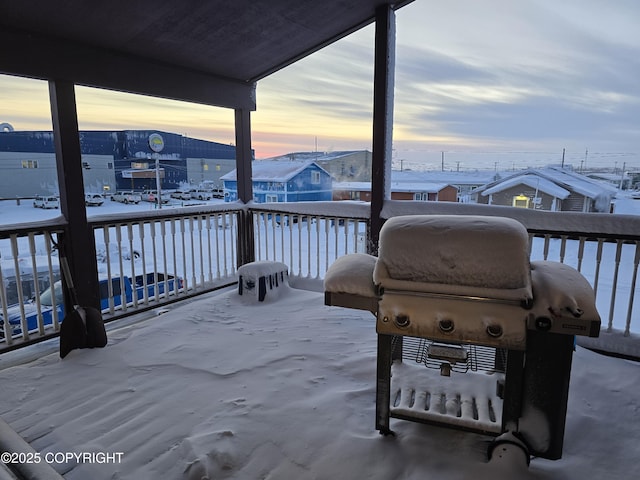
pixel 456 255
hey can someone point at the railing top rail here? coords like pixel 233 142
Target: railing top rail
pixel 603 225
pixel 54 224
pixel 163 214
pixel 342 209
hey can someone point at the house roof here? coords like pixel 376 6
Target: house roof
pixel 563 178
pixel 479 177
pixel 427 187
pixel 530 180
pixel 316 156
pixel 274 170
pixel 126 45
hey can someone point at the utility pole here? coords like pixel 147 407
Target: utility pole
pixel 586 155
pixel 442 162
pixel 563 158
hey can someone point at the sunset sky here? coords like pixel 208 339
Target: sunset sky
pixel 482 81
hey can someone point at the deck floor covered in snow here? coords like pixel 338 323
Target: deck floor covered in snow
pixel 223 387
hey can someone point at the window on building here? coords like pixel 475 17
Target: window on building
pixel 315 177
pixel 521 201
pixel 421 196
pixel 271 198
pixel 110 165
pixel 29 163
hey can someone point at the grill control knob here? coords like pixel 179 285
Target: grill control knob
pixel 446 325
pixel 543 324
pixel 402 321
pixel 494 331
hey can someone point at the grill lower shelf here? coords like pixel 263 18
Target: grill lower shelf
pixel 465 400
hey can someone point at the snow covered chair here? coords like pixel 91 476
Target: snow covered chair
pixel 459 294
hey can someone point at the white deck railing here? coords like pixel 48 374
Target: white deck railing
pixel 174 254
pixel 199 245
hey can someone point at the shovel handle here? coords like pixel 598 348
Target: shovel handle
pixel 68 278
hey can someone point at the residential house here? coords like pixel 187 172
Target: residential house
pixel 282 181
pixel 551 188
pixel 419 191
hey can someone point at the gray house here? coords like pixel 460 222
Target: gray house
pixel 551 188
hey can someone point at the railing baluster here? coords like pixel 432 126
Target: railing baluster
pixel 596 278
pixel 8 331
pixel 291 243
pixel 123 293
pixel 563 247
pixel 299 223
pixel 152 231
pixel 105 233
pixel 55 320
pixel 16 264
pixel 144 266
pixel 36 283
pixel 132 261
pixel 209 259
pixel 547 239
pixel 201 250
pixel 326 242
pixel 193 255
pixel 318 219
pixel 283 223
pixel 163 233
pixel 217 227
pixel 183 246
pixel 224 244
pixel 615 284
pixel 308 246
pixel 580 253
pixel 175 257
pixel 636 260
pixel 273 232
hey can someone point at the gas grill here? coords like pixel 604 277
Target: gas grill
pixel 471 334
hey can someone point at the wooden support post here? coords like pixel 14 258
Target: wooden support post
pixel 79 240
pixel 244 157
pixel 382 120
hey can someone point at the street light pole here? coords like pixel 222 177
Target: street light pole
pixel 158 183
pixel 156 144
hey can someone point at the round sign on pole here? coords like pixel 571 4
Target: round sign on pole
pixel 156 142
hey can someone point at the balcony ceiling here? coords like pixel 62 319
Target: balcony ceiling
pixel 236 40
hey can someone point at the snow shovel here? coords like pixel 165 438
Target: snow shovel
pixel 83 327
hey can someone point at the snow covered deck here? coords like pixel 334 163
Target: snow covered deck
pixel 221 388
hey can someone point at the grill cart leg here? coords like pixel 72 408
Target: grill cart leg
pixel 383 384
pixel 545 391
pixel 512 395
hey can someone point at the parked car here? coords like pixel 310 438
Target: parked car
pixel 201 194
pixel 93 199
pixel 46 201
pixel 127 197
pixel 118 286
pixel 181 194
pixel 152 196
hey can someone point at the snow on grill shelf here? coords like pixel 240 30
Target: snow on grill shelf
pixel 419 392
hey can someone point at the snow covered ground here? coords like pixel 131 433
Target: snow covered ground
pixel 224 388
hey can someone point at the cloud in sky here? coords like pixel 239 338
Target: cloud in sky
pixel 491 75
